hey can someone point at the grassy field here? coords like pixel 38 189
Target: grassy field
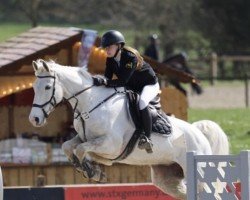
pixel 235 123
pixel 9 30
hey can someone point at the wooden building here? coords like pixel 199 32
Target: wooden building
pixel 16 96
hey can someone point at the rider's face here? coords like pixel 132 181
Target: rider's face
pixel 111 50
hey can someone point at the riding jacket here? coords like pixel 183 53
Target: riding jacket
pixel 128 74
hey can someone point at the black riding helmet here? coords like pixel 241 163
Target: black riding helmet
pixel 112 37
pixel 153 37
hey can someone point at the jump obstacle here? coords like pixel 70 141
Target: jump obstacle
pixel 230 171
pixel 1 185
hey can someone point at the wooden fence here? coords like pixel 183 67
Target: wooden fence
pixel 207 68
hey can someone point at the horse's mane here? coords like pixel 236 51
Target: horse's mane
pixel 81 71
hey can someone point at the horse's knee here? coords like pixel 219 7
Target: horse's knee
pixel 80 152
pixel 67 148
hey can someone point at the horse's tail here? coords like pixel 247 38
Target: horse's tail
pixel 215 135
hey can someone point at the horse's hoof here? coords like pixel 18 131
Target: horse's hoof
pixel 100 177
pixel 79 169
pixel 87 169
pixel 103 178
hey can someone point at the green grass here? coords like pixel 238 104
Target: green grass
pixel 234 122
pixel 9 30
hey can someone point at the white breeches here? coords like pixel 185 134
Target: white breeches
pixel 148 93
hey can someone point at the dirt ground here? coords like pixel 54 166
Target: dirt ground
pixel 219 96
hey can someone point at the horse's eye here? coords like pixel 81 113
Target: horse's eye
pixel 47 87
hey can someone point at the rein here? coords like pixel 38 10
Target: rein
pixel 86 114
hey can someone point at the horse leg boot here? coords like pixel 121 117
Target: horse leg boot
pixel 145 142
pixel 92 170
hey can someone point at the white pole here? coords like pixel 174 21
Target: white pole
pixel 191 176
pixel 1 185
pixel 245 174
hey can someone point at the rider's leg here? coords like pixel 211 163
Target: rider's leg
pixel 145 142
pixel 148 93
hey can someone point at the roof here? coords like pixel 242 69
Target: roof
pixel 35 43
pixel 17 54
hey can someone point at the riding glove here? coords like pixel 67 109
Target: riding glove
pixel 98 81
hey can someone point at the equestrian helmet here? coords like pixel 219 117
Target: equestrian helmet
pixel 153 37
pixel 112 37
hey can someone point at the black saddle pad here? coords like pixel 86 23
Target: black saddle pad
pixel 161 124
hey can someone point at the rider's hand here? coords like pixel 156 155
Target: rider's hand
pixel 98 81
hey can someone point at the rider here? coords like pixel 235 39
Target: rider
pixel 132 72
pixel 152 50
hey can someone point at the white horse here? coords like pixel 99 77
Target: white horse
pixel 108 127
pixel 211 130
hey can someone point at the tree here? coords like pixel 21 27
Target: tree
pixel 225 23
pixel 30 9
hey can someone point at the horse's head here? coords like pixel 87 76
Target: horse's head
pixel 48 93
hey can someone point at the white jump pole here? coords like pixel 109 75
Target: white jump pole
pixel 1 184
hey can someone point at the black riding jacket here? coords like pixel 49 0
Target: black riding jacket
pixel 127 74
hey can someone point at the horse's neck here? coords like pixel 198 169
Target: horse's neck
pixel 94 96
pixel 72 81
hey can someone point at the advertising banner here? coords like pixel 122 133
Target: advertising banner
pixel 116 192
pixel 87 42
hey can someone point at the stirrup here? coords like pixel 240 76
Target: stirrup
pixel 145 143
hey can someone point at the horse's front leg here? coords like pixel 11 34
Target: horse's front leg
pixel 89 153
pixel 100 146
pixel 69 147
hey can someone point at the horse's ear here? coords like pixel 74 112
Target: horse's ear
pixel 45 65
pixel 35 66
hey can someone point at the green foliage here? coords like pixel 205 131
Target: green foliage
pixel 222 25
pixel 225 23
pixel 171 19
pixel 234 122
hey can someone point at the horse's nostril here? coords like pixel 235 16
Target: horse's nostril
pixel 37 119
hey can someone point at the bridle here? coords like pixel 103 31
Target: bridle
pixel 52 100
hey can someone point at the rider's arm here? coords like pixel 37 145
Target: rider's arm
pixel 108 71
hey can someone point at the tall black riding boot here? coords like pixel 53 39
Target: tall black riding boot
pixel 145 142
